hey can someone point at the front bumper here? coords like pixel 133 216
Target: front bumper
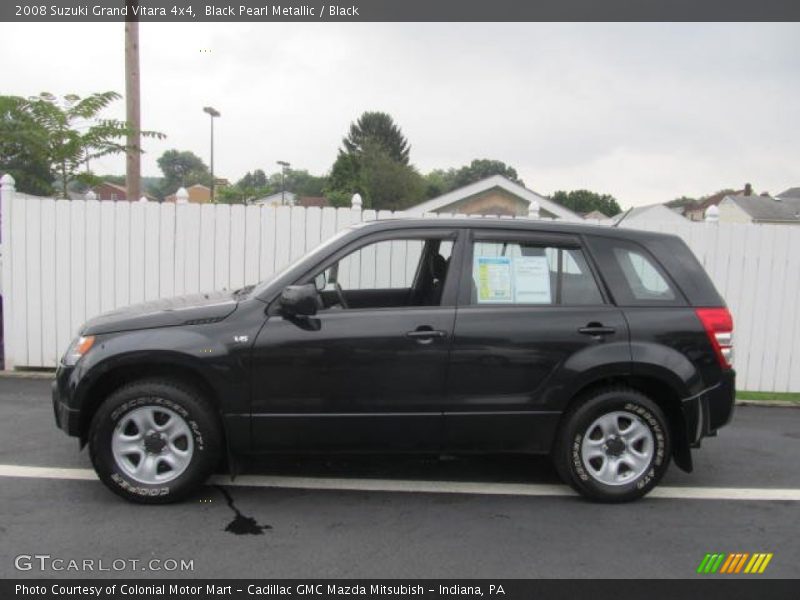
pixel 711 409
pixel 67 418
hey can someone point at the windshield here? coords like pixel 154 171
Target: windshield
pixel 317 252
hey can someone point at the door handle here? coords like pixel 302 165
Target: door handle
pixel 596 330
pixel 425 336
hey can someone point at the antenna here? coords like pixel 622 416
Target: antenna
pixel 627 212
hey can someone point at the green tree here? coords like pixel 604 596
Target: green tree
pixel 23 148
pixel 387 184
pixel 440 181
pixel 181 169
pixel 344 179
pixel 303 183
pixel 584 201
pixel 379 129
pixel 482 168
pixel 374 163
pixel 75 132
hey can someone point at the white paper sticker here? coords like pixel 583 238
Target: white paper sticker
pixel 493 279
pixel 531 280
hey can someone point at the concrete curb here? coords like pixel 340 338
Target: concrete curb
pixel 27 374
pixel 51 375
pixel 775 403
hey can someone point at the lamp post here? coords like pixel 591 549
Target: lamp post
pixel 284 166
pixel 212 112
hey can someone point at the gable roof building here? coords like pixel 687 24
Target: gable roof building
pixel 760 209
pixel 494 195
pixel 790 193
pixel 650 212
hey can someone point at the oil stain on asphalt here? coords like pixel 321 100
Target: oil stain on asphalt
pixel 241 525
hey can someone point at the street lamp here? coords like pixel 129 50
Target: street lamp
pixel 284 166
pixel 212 112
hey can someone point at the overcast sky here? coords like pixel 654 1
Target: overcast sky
pixel 646 112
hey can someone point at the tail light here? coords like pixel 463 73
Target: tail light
pixel 718 324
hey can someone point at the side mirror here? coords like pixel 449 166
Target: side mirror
pixel 299 300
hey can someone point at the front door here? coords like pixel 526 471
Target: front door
pixel 369 370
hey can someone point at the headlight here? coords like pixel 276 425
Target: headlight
pixel 77 349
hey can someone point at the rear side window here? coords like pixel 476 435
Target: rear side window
pixel 513 272
pixel 644 280
pixel 633 274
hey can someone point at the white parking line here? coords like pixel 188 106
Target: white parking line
pixel 425 487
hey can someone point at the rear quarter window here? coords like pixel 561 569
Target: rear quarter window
pixel 634 276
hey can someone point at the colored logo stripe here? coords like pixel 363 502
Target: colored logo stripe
pixel 734 562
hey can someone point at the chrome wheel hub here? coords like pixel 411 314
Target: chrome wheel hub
pixel 617 448
pixel 152 444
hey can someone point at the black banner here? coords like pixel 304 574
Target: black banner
pixel 423 589
pixel 399 10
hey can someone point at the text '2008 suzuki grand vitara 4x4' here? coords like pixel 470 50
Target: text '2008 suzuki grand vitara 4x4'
pixel 608 349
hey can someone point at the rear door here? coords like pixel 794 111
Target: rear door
pixel 530 306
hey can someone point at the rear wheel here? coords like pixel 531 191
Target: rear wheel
pixel 154 441
pixel 614 446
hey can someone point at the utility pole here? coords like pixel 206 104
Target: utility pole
pixel 213 113
pixel 133 163
pixel 284 166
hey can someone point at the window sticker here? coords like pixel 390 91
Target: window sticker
pixel 493 279
pixel 531 280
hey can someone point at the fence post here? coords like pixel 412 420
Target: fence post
pixel 533 210
pixel 90 195
pixel 355 205
pixel 143 199
pixel 181 196
pixel 712 214
pixel 7 192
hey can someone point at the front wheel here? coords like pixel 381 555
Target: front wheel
pixel 614 446
pixel 154 441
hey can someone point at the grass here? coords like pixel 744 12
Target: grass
pixel 793 397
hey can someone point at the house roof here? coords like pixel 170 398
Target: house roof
pixel 790 193
pixel 650 211
pixel 595 214
pixel 495 181
pixel 764 208
pixel 121 188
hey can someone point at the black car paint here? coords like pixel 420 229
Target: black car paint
pixel 354 380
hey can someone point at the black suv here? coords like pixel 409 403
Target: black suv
pixel 608 349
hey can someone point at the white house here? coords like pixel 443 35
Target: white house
pixel 494 195
pixel 651 212
pixel 760 209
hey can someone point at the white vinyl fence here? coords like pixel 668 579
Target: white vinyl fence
pixel 67 261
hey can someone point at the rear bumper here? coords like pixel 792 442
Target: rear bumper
pixel 711 409
pixel 67 418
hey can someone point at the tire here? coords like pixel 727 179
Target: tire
pixel 613 446
pixel 155 441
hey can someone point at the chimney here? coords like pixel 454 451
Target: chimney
pixel 748 189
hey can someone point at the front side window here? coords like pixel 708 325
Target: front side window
pixel 515 272
pixel 388 273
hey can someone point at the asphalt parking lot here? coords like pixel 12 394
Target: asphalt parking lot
pixel 460 527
